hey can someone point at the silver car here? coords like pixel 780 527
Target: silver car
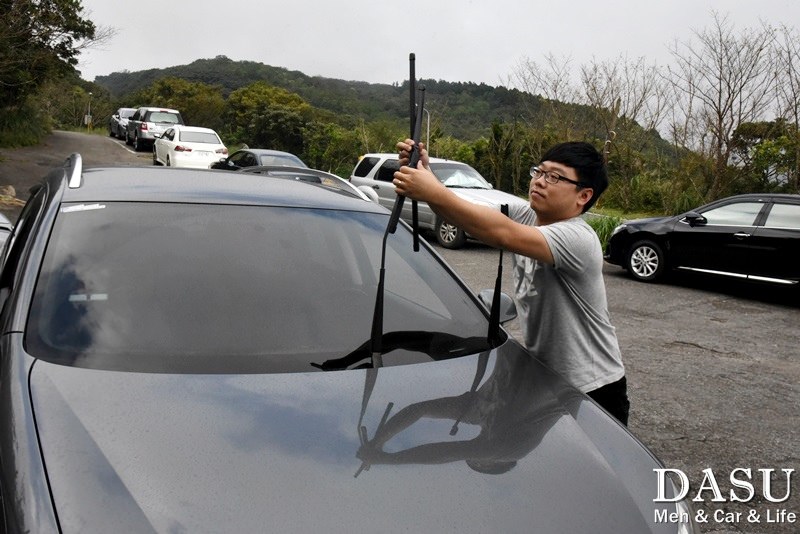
pixel 377 171
pixel 148 123
pixel 185 350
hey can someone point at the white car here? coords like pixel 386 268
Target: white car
pixel 188 146
pixel 376 171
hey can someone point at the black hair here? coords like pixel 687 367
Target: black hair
pixel 588 164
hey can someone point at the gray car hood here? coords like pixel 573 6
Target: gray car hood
pixel 518 451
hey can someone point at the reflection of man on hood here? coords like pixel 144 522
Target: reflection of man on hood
pixel 512 408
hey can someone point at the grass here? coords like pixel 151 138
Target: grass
pixel 604 225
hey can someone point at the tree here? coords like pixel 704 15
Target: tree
pixel 788 94
pixel 200 104
pixel 40 39
pixel 265 116
pixel 553 81
pixel 721 81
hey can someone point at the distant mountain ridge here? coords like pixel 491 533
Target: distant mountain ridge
pixel 464 110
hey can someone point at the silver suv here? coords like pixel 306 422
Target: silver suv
pixel 377 171
pixel 147 124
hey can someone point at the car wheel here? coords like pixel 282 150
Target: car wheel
pixel 155 159
pixel 168 164
pixel 137 144
pixel 449 236
pixel 645 261
pixel 127 138
pixel 111 132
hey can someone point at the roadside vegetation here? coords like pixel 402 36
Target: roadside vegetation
pixel 722 118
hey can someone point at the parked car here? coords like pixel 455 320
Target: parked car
pixel 147 123
pixel 6 227
pixel 118 123
pixel 751 237
pixel 251 157
pixel 181 352
pixel 377 171
pixel 188 146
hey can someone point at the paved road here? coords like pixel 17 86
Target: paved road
pixel 713 368
pixel 714 374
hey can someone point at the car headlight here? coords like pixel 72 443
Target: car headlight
pixel 618 229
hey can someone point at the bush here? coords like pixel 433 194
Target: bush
pixel 603 225
pixel 22 125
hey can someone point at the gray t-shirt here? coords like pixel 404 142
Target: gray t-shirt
pixel 563 307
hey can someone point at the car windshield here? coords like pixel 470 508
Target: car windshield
pixel 199 137
pixel 459 175
pixel 189 288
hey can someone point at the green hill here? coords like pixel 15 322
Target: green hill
pixel 462 110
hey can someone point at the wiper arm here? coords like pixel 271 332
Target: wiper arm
pixel 376 338
pixel 436 345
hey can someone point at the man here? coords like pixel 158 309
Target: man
pixel 558 259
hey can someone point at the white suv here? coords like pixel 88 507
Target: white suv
pixel 377 171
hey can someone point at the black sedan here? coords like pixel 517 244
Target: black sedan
pixel 185 353
pixel 252 157
pixel 752 237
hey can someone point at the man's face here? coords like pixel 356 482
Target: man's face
pixel 560 200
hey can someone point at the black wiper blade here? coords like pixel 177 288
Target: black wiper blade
pixel 436 345
pixel 466 187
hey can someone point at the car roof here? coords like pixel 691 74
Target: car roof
pixel 391 155
pixel 266 152
pixel 156 108
pixel 184 128
pixel 199 186
pixel 780 197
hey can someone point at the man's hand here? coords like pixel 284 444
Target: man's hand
pixel 404 148
pixel 419 183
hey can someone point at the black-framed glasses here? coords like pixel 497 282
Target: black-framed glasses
pixel 552 177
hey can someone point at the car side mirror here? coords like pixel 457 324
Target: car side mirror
pixel 508 310
pixel 694 218
pixel 371 194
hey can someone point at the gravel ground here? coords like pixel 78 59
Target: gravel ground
pixel 712 367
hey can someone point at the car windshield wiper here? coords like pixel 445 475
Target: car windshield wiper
pixel 436 345
pixel 466 187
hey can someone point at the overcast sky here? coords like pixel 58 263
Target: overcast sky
pixel 369 40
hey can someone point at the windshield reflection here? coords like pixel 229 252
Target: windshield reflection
pixel 507 413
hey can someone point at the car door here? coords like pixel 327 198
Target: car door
pixel 381 182
pixel 719 240
pixel 163 145
pixel 775 245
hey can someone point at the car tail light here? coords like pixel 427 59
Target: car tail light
pixel 180 148
pixel 144 126
pixel 221 151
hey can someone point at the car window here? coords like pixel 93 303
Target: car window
pixel 365 165
pixel 169 134
pixel 197 288
pixel 164 116
pixel 737 214
pixel 199 137
pixel 237 158
pixel 280 159
pixel 784 216
pixel 387 169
